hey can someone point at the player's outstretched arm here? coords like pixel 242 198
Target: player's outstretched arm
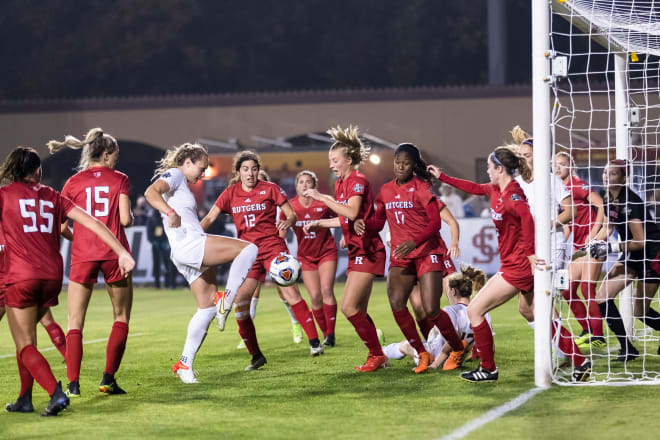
pixel 454 229
pixel 210 217
pixel 154 195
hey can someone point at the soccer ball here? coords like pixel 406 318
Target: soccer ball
pixel 284 270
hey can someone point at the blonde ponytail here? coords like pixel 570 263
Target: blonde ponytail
pixel 94 145
pixel 520 136
pixel 349 138
pixel 176 156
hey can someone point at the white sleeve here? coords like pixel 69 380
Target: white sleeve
pixel 560 190
pixel 174 178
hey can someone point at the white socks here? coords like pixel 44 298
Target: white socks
pixel 197 328
pixel 253 307
pixel 238 271
pixel 290 310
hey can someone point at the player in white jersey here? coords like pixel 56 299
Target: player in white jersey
pixel 195 253
pixel 461 285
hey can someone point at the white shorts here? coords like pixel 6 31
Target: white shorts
pixel 559 244
pixel 188 252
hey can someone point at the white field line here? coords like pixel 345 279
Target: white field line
pixel 493 414
pixel 93 341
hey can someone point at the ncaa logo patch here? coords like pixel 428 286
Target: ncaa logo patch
pixel 166 175
pixel 515 197
pixel 358 188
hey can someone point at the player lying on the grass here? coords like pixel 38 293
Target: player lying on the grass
pixel 366 254
pixel 418 252
pixel 584 271
pixel 639 245
pixel 31 216
pixel 253 204
pixel 104 192
pixel 460 288
pixel 195 253
pixel 515 232
pixel 317 254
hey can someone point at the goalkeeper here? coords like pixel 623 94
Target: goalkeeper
pixel 639 245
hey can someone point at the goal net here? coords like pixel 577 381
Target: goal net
pixel 605 94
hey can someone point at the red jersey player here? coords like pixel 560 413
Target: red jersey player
pixel 253 204
pixel 515 232
pixel 104 194
pixel 31 216
pixel 583 271
pixel 366 254
pixel 317 253
pixel 418 252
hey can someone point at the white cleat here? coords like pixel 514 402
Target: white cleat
pixel 223 303
pixel 186 374
pixel 316 351
pixel 297 333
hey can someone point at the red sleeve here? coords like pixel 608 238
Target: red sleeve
pixel 433 211
pixel 282 216
pixel 377 219
pixel 279 195
pixel 67 206
pixel 357 187
pixel 521 210
pixel 66 191
pixel 124 185
pixel 223 201
pixel 482 189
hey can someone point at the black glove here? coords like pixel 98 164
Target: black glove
pixel 600 248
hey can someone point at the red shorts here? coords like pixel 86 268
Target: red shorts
pixel 87 272
pixel 372 263
pixel 523 281
pixel 313 263
pixel 428 263
pixel 261 265
pixel 29 293
pixel 2 298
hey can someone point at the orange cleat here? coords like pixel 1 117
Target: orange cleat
pixel 373 363
pixel 455 358
pixel 425 359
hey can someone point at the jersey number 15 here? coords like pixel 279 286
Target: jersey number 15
pixel 99 200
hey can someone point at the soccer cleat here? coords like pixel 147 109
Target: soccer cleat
pixel 258 361
pixel 480 375
pixel 584 338
pixel 109 385
pixel 185 373
pixel 455 358
pixel 241 345
pixel 297 333
pixel 58 402
pixel 73 389
pixel 23 404
pixel 373 363
pixel 329 340
pixel 629 354
pixel 597 343
pixel 316 350
pixel 582 373
pixel 425 359
pixel 222 308
pixel 381 336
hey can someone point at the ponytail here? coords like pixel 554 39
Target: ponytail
pixel 420 166
pixel 94 145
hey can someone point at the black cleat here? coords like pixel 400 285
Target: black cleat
pixel 258 361
pixel 109 385
pixel 582 373
pixel 480 375
pixel 329 340
pixel 627 354
pixel 23 404
pixel 58 402
pixel 73 389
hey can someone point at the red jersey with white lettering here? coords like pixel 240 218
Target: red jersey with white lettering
pixel 405 209
pixel 356 184
pixel 31 215
pixel 254 212
pixel 586 213
pixel 515 227
pixel 97 190
pixel 318 242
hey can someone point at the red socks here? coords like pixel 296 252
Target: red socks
pixel 443 322
pixel 248 334
pixel 406 323
pixel 576 304
pixel 304 317
pixel 567 344
pixel 27 381
pixel 74 354
pixel 319 316
pixel 38 368
pixel 366 330
pixel 483 343
pixel 425 326
pixel 57 337
pixel 116 346
pixel 330 312
pixel 595 318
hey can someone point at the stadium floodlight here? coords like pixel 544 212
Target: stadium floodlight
pixel 230 144
pixel 605 106
pixel 278 142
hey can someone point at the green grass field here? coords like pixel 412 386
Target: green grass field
pixel 296 396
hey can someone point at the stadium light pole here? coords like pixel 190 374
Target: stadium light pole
pixel 541 129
